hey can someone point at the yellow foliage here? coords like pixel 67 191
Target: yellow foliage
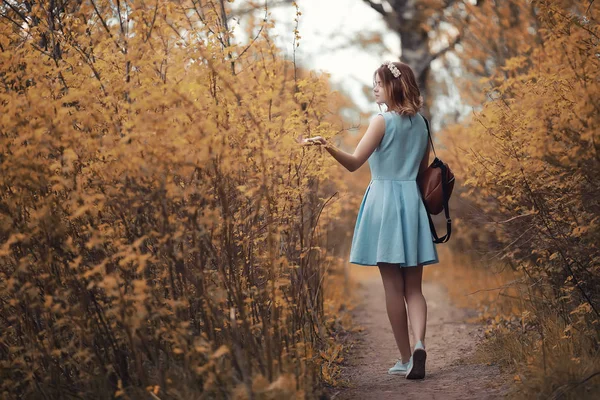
pixel 530 201
pixel 152 185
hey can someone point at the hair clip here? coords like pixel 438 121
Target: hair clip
pixel 395 71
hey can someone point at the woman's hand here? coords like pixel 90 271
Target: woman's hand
pixel 314 141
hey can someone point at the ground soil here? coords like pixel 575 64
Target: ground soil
pixel 451 342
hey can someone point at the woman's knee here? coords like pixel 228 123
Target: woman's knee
pixel 413 278
pixel 412 291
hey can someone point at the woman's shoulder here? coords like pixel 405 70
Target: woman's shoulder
pixel 386 115
pixel 401 121
pixel 393 115
pixel 400 115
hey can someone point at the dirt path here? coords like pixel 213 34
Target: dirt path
pixel 450 343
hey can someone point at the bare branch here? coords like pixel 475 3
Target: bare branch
pixel 257 34
pixel 16 11
pixel 516 217
pixel 153 22
pixel 377 7
pixel 102 21
pixel 440 53
pixel 590 6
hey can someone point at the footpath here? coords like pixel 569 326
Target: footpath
pixel 450 343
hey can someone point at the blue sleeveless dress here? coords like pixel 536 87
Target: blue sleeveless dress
pixel 392 224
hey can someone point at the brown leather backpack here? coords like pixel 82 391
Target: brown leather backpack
pixel 436 184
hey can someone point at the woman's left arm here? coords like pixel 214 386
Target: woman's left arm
pixel 365 148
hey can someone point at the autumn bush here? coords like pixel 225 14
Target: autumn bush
pixel 162 234
pixel 531 195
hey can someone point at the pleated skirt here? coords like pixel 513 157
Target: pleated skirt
pixel 392 226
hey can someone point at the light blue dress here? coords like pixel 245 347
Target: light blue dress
pixel 392 224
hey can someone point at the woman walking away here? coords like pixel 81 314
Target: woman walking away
pixel 392 228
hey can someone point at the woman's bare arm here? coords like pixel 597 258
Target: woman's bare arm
pixel 365 148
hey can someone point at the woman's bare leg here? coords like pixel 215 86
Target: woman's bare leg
pixel 393 284
pixel 415 301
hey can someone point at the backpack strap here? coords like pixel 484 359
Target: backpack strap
pixel 429 134
pixel 442 166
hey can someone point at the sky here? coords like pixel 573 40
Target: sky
pixel 329 30
pixel 327 27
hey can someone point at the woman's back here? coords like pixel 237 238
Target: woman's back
pixel 392 224
pixel 402 148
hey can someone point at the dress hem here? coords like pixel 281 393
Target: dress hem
pixel 403 265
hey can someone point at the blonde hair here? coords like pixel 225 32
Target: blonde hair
pixel 403 93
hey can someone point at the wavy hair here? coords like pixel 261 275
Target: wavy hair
pixel 403 93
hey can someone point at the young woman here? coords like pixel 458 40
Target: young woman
pixel 392 229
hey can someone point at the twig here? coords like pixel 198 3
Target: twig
pixel 257 35
pixel 509 284
pixel 560 391
pixel 513 218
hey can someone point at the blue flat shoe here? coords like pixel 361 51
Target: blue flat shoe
pixel 398 369
pixel 416 364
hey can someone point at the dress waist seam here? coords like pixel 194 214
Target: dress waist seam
pixel 392 179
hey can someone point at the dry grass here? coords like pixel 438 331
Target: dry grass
pixel 524 335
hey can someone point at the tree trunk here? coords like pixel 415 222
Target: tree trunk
pixel 405 18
